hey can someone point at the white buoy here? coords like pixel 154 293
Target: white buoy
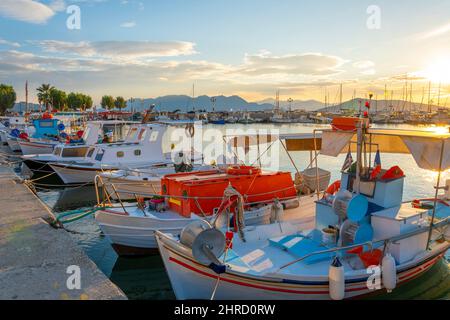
pixel 389 272
pixel 336 278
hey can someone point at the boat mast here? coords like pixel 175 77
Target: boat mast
pixel 429 97
pixel 26 96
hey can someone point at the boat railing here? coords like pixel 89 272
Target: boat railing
pixel 386 241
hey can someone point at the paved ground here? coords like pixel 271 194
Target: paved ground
pixel 34 257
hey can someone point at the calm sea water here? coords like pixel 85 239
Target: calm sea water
pixel 145 278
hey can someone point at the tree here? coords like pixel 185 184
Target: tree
pixel 76 100
pixel 7 97
pixel 58 99
pixel 120 103
pixel 107 102
pixel 44 96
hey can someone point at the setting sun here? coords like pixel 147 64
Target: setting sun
pixel 438 71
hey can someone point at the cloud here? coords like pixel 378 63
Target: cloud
pixel 26 10
pixel 9 43
pixel 312 64
pixel 365 64
pixel 441 30
pixel 130 24
pixel 119 49
pixel 58 5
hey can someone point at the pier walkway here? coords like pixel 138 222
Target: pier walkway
pixel 38 261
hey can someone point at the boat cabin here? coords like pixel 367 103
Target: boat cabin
pixel 46 128
pixel 143 143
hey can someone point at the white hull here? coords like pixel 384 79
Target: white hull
pixel 71 176
pixel 139 231
pixel 191 280
pixel 35 147
pixel 3 137
pixel 13 144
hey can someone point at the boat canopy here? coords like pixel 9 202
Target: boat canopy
pixel 426 147
pixel 293 142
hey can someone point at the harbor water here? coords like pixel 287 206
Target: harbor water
pixel 145 277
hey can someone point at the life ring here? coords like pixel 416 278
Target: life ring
pixel 243 170
pixel 190 130
pixel 333 188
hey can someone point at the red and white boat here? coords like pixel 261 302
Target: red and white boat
pixel 365 238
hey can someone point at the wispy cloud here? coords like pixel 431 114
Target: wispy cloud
pixel 9 43
pixel 129 24
pixel 26 10
pixel 119 49
pixel 437 32
pixel 314 64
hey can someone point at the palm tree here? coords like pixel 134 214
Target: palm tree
pixel 44 94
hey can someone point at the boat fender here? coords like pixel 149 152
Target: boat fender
pixel 336 278
pixel 190 131
pixel 389 272
pixel 277 211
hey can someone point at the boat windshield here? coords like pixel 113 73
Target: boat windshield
pixel 74 152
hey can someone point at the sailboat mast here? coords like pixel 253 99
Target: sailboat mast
pixel 26 96
pixel 429 97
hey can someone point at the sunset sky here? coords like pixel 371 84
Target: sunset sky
pixel 249 48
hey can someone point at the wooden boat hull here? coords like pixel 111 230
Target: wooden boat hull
pixel 191 280
pixel 127 189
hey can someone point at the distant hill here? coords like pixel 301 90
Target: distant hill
pixel 186 103
pixel 308 105
pixel 380 105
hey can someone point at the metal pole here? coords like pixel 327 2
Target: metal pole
pixel 317 166
pixel 436 193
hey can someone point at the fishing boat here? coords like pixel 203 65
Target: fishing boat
pixel 192 196
pixel 12 127
pixel 141 149
pixel 46 136
pixel 365 240
pixel 78 146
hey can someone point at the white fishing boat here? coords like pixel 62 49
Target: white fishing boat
pixel 142 148
pixel 10 134
pixel 366 239
pixel 131 228
pixel 95 133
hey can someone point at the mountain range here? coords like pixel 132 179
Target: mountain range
pixel 186 103
pixel 381 105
